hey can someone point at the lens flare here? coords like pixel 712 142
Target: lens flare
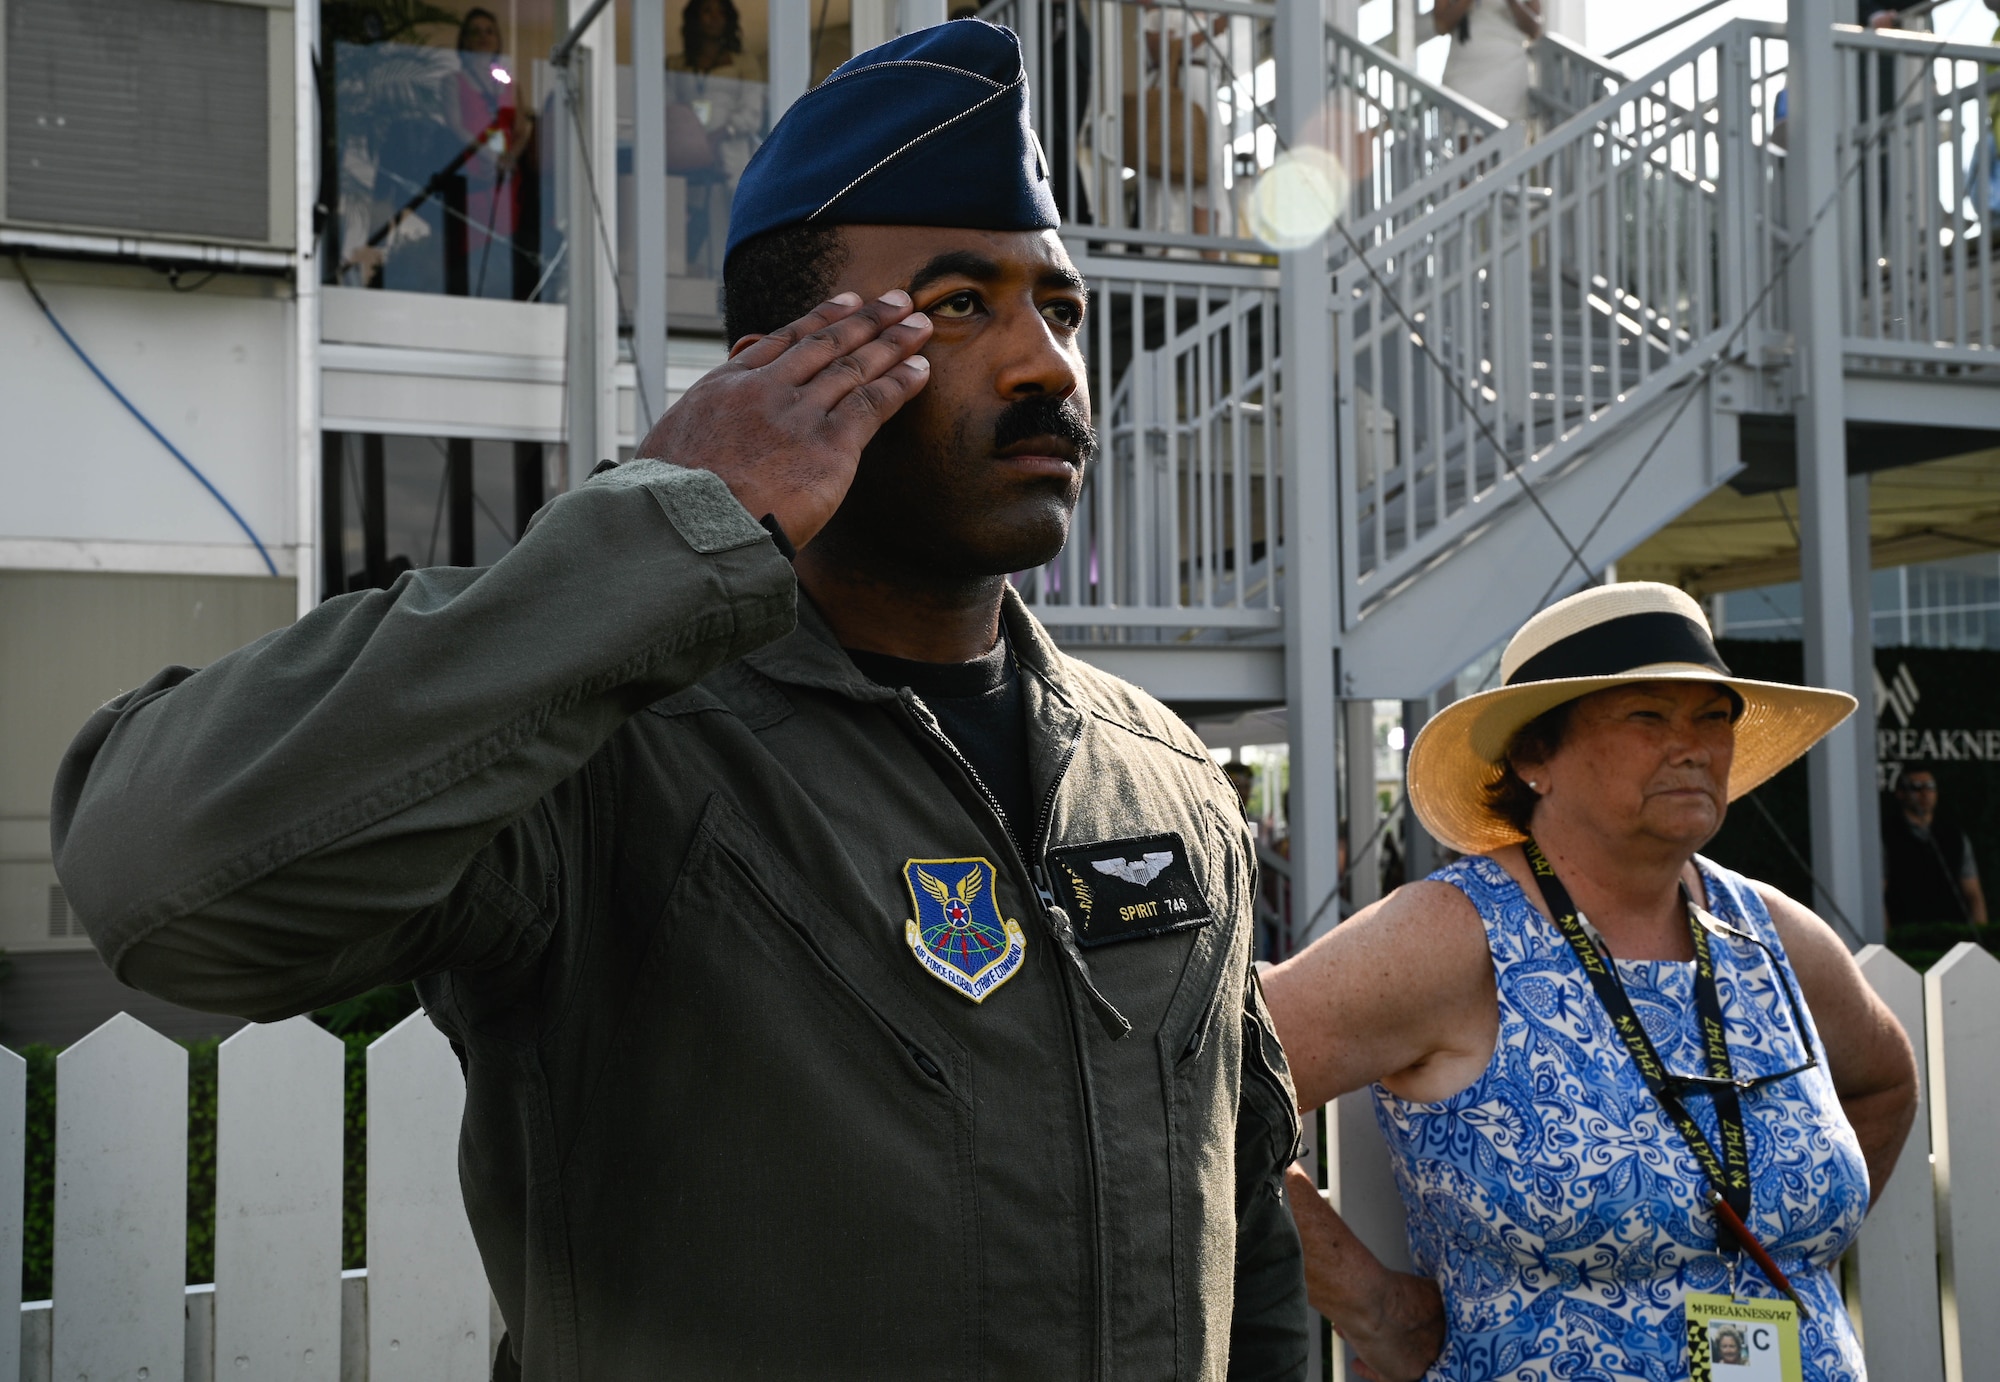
pixel 503 76
pixel 1298 198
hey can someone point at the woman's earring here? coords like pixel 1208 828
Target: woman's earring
pixel 1533 785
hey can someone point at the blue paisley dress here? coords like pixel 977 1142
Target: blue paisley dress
pixel 1557 1207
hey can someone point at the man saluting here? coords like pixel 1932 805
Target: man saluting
pixel 849 985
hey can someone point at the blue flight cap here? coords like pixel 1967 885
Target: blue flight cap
pixel 930 129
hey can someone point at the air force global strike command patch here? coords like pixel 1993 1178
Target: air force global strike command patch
pixel 959 935
pixel 1120 890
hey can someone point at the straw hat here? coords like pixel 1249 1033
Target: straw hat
pixel 1601 637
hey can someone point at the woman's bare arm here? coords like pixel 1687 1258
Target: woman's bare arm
pixel 1867 1053
pixel 1402 992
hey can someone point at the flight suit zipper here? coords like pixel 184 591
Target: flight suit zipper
pixel 1076 971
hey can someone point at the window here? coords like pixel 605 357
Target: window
pixel 718 113
pixel 444 139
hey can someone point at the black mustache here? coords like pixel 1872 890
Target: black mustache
pixel 1042 415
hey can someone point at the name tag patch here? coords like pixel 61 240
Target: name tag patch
pixel 1120 890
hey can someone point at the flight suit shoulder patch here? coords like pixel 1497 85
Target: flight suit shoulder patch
pixel 1121 890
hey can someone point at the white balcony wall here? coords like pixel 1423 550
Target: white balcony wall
pixel 85 487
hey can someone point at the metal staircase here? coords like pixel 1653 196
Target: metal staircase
pixel 1586 316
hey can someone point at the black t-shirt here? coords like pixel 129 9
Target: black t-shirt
pixel 978 705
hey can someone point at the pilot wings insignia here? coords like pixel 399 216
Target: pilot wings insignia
pixel 1141 871
pixel 958 934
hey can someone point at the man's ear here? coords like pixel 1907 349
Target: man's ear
pixel 744 343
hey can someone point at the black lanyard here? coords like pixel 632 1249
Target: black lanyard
pixel 1728 1172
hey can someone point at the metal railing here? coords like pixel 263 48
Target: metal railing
pixel 1395 132
pixel 1158 117
pixel 1918 217
pixel 1490 341
pixel 1178 532
pixel 1514 304
pixel 1181 515
pixel 1155 116
pixel 1565 79
pixel 1280 932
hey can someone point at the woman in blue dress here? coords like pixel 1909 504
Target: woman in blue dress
pixel 1569 1148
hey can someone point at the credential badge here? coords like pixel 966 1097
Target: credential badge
pixel 959 935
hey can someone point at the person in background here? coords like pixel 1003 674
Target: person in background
pixel 486 110
pixel 1928 872
pixel 1489 51
pixel 1538 1023
pixel 1877 16
pixel 716 97
pixel 1243 778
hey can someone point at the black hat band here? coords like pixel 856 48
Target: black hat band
pixel 1619 645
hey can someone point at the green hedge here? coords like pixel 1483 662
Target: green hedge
pixel 356 1022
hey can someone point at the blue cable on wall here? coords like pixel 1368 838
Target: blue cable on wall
pixel 144 421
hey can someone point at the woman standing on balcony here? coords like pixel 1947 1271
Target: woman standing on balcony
pixel 486 111
pixel 1489 51
pixel 1594 1152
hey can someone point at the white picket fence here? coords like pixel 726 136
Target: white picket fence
pixel 281 1308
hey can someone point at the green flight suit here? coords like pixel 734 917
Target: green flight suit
pixel 638 827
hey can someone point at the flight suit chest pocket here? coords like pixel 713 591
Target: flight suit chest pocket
pixel 1128 889
pixel 768 1024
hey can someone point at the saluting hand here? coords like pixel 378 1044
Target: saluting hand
pixel 783 422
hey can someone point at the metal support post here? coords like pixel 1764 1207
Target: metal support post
pixel 912 15
pixel 592 344
pixel 307 446
pixel 1405 37
pixel 1421 853
pixel 649 215
pixel 602 113
pixel 1364 809
pixel 872 22
pixel 580 363
pixel 1838 773
pixel 1872 920
pixel 791 53
pixel 1310 594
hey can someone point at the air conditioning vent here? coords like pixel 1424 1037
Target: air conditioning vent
pixel 150 116
pixel 62 921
